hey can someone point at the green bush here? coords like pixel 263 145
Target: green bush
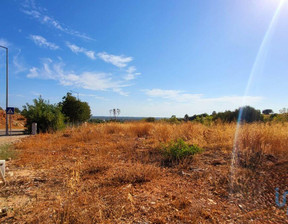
pixel 75 110
pixel 280 117
pixel 176 151
pixel 150 119
pixel 173 119
pixel 47 116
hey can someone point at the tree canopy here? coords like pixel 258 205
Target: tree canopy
pixel 267 111
pixel 249 114
pixel 75 110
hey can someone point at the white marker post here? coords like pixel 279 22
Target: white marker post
pixel 34 128
pixel 2 170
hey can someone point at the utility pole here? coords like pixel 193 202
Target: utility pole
pixel 6 48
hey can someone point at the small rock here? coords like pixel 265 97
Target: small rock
pixel 3 212
pixel 211 201
pixel 217 162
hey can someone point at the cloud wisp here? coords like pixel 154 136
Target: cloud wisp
pixel 4 42
pixel 131 73
pixel 183 97
pixel 18 63
pixel 173 95
pixel 76 49
pixel 42 42
pixel 31 9
pixel 87 80
pixel 120 61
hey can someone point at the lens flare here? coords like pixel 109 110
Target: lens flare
pixel 256 69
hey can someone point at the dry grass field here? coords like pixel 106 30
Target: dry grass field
pixel 116 173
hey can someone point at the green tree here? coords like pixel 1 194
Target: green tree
pixel 249 114
pixel 186 117
pixel 75 110
pixel 267 111
pixel 17 110
pixel 47 116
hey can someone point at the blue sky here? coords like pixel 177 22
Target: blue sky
pixel 147 57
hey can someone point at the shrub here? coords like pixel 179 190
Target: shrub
pixel 47 116
pixel 150 119
pixel 280 117
pixel 173 119
pixel 176 151
pixel 17 110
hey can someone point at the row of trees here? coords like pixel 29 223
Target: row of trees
pixel 51 117
pixel 243 114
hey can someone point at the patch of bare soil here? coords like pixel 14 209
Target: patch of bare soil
pixel 11 139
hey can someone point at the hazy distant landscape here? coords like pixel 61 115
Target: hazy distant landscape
pixel 107 118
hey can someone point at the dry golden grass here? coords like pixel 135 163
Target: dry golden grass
pixel 113 173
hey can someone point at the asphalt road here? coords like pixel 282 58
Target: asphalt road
pixel 12 133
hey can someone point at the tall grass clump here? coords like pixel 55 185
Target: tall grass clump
pixel 140 129
pixel 175 151
pixel 7 152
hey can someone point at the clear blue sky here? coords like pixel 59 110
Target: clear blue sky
pixel 146 57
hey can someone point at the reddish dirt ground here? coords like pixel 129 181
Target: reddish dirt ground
pixel 115 174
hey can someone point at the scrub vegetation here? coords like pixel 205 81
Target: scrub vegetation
pixel 53 117
pixel 7 152
pixel 118 173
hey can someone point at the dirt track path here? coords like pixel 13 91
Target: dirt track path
pixel 11 139
pixel 10 202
